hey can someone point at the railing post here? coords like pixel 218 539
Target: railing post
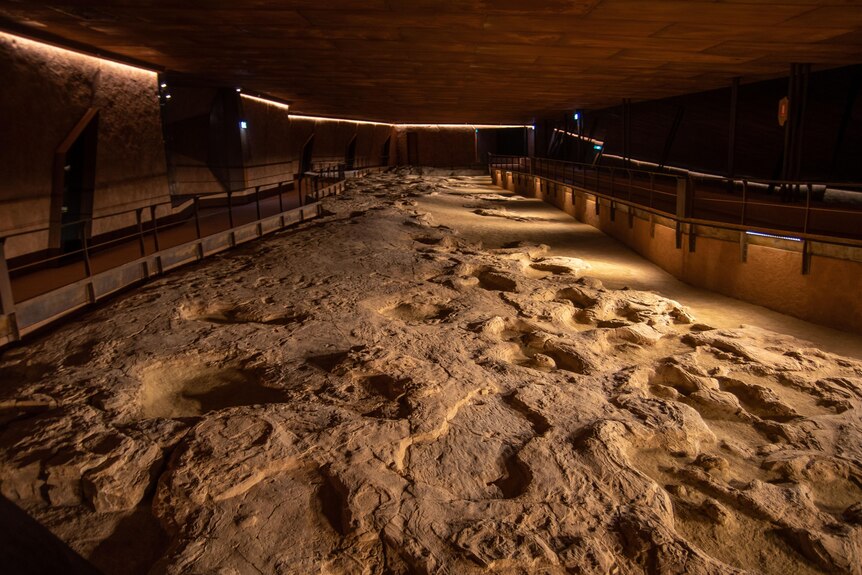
pixel 155 227
pixel 142 244
pixel 7 301
pixel 744 201
pixel 196 203
pixel 807 208
pixel 88 269
pixel 257 200
pixel 230 208
pixel 84 248
pixel 280 197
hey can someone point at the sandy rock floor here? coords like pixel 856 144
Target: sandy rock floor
pixel 378 392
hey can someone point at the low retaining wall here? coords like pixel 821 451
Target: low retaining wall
pixel 761 270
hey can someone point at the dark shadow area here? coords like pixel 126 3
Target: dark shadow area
pixel 329 361
pixel 134 546
pixel 28 548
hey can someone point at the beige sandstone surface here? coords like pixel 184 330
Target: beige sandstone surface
pixel 379 392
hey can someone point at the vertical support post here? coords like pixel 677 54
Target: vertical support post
pixel 807 208
pixel 789 125
pixel 804 72
pixel 744 201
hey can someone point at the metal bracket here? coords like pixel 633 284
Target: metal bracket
pixel 743 247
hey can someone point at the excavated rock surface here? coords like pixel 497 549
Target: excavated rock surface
pixel 370 394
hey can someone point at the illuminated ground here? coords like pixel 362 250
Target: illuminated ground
pixel 415 384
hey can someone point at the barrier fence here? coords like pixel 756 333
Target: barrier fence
pixel 825 212
pixel 132 245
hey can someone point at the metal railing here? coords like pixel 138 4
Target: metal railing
pixel 153 221
pixel 826 212
pixel 155 242
pixel 150 226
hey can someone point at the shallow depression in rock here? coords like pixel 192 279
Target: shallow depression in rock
pixel 176 390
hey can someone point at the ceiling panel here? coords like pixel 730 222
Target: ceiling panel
pixel 482 61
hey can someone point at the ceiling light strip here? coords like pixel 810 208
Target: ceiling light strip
pixel 372 123
pixel 34 42
pixel 266 101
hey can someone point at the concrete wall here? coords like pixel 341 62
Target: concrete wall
pixel 273 142
pixel 270 146
pixel 46 91
pixel 771 274
pixel 439 147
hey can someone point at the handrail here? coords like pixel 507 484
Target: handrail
pixel 688 173
pixel 185 198
pixel 326 173
pixel 708 203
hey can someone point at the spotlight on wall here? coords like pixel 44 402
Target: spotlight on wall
pixel 167 96
pixel 243 125
pixel 163 85
pixel 577 116
pixel 239 89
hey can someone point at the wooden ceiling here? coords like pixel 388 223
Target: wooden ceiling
pixel 490 61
